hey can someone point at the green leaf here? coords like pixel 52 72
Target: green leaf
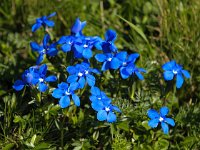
pixel 138 30
pixel 8 146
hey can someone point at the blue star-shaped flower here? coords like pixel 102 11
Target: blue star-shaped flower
pixel 77 27
pixel 157 118
pixel 44 48
pixel 81 73
pixel 108 45
pixel 43 21
pixel 172 69
pixel 35 76
pixel 64 92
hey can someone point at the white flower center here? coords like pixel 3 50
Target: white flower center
pixel 175 72
pixel 67 93
pixel 85 45
pixel 86 72
pixel 109 59
pixel 70 42
pixel 43 51
pixel 161 119
pixel 107 109
pixel 41 80
pixel 99 98
pixel 80 74
pixel 124 63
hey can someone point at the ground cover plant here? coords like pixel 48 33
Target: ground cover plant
pixel 99 75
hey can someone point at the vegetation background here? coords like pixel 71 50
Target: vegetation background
pixel 159 30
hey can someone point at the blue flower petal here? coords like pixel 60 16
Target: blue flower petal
pixel 97 105
pixel 179 80
pixel 102 115
pixel 42 87
pixel 170 121
pixel 169 66
pixel 139 75
pixel 87 53
pixel 124 74
pixel 79 48
pixel 105 66
pixel 100 57
pixel 43 69
pixel 66 47
pixel 116 109
pixel 76 26
pixel 40 59
pixel 122 56
pixel 36 26
pixel 51 15
pixel 63 85
pixel 51 78
pixel 76 100
pixel 58 93
pixel 95 90
pixel 115 63
pixel 46 40
pixel 168 75
pixel 133 57
pixel 52 52
pixel 35 46
pixel 73 86
pixel 81 82
pixel 90 80
pixel 110 35
pixel 72 78
pixel 186 73
pixel 18 85
pixel 49 23
pixel 92 98
pixel 153 123
pixel 64 101
pixel 164 111
pixel 111 117
pixel 165 128
pixel 153 114
pixel 71 70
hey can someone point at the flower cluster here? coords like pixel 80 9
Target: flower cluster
pixel 35 76
pixel 82 74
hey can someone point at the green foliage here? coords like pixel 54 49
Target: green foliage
pixel 158 30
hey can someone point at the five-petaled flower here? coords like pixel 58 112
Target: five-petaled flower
pixel 157 118
pixel 35 76
pixel 172 69
pixel 81 73
pixel 64 92
pixel 43 49
pixel 43 21
pixel 102 104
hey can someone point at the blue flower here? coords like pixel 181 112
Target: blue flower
pixel 81 73
pixel 42 79
pixel 131 69
pixel 44 49
pixel 68 42
pixel 157 118
pixel 84 49
pixel 110 61
pixel 97 95
pixel 102 104
pixel 108 45
pixel 78 27
pixel 29 78
pixel 64 92
pixel 43 21
pixel 172 69
pixel 35 76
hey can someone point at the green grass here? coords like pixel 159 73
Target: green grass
pixel 158 30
